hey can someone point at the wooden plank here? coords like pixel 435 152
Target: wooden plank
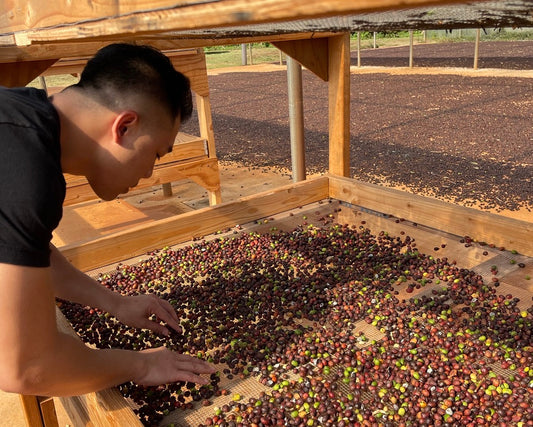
pixel 170 231
pixel 311 53
pixel 48 412
pixel 339 104
pixel 55 20
pixel 204 172
pixel 31 410
pixel 193 66
pixel 501 231
pixel 9 52
pixel 205 121
pixel 19 74
pixel 85 221
pixel 75 410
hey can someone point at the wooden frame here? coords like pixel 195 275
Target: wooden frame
pixel 433 213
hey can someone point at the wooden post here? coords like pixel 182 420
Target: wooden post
pixel 476 49
pixel 374 39
pixel 339 104
pixel 167 189
pixel 31 410
pixel 48 412
pixel 296 119
pixel 203 105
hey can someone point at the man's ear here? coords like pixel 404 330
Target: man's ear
pixel 123 124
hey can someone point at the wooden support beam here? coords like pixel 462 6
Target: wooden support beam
pixel 31 410
pixel 18 74
pixel 48 412
pixel 30 21
pixel 204 172
pixel 311 53
pixel 166 232
pixel 165 41
pixel 461 221
pixel 339 104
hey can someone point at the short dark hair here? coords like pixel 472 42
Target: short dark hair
pixel 122 68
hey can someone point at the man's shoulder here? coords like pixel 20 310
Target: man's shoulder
pixel 22 94
pixel 24 105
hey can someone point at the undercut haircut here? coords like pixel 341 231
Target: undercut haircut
pixel 120 69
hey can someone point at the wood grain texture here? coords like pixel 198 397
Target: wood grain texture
pixel 55 20
pixel 181 228
pixel 339 104
pixel 31 410
pixel 18 74
pixel 310 53
pixel 486 227
pixel 9 52
pixel 203 171
pixel 48 412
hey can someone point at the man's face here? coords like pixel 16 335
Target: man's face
pixel 125 164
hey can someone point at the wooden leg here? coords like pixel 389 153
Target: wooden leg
pixel 214 197
pixel 32 411
pixel 167 189
pixel 48 412
pixel 39 411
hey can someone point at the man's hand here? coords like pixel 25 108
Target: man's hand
pixel 136 311
pixel 164 366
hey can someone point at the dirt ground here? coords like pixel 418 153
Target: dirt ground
pixel 454 133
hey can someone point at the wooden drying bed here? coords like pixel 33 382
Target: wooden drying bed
pixel 435 219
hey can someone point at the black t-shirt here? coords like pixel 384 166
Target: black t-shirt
pixel 32 186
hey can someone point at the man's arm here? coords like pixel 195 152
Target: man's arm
pixel 37 359
pixel 73 285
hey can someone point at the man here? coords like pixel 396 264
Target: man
pixel 110 127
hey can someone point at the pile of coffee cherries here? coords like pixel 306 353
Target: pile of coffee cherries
pixel 340 327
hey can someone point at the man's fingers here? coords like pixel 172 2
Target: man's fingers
pixel 168 307
pixel 164 311
pixel 190 377
pixel 191 363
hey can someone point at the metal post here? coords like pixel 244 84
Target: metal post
pixel 410 48
pixel 251 57
pixel 476 49
pixel 296 119
pixel 244 54
pixel 42 81
pixel 358 48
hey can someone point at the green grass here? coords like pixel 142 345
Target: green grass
pixel 231 56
